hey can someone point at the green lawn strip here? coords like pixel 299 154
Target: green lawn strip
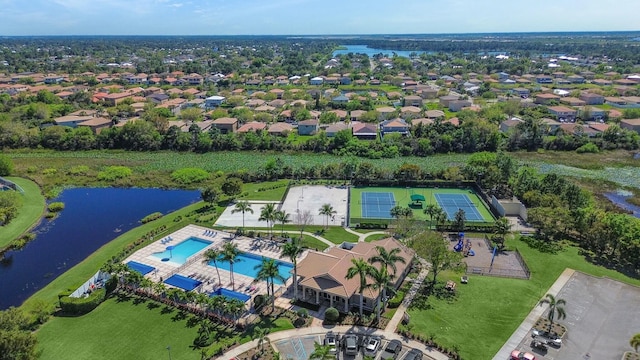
pixel 131 330
pixel 77 275
pixel 313 243
pixel 374 237
pixel 488 309
pixel 263 190
pixel 31 210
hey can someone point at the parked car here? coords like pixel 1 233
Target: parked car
pixel 540 345
pixel 330 341
pixel 550 339
pixel 413 354
pixel 371 346
pixel 520 355
pixel 350 344
pixel 392 350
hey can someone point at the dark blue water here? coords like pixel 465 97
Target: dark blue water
pixel 620 200
pixel 91 218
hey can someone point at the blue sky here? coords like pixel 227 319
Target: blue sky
pixel 269 17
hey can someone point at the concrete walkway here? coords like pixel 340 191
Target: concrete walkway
pixel 397 317
pixel 361 236
pixel 523 330
pixel 321 330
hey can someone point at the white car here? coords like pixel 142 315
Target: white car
pixel 330 341
pixel 371 346
pixel 550 339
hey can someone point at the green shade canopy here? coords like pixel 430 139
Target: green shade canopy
pixel 417 197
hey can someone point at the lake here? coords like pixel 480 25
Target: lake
pixel 364 49
pixel 92 217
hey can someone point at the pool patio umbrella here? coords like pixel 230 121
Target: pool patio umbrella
pixel 170 248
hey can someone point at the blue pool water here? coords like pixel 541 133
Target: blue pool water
pixel 246 263
pixel 231 294
pixel 182 251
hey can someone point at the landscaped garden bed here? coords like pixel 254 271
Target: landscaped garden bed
pixel 557 329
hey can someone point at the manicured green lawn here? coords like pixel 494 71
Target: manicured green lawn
pixel 266 191
pixel 487 310
pixel 374 237
pixel 33 205
pixel 402 197
pixel 130 330
pixel 313 243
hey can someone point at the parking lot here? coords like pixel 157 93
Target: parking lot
pixel 300 348
pixel 602 315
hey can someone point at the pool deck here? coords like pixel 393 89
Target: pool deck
pixel 196 269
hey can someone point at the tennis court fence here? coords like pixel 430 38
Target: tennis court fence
pixel 478 226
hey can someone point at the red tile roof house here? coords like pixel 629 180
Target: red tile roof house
pixel 323 279
pixel 341 114
pixel 225 125
pixel 96 124
pixel 445 100
pixel 546 98
pixel 365 131
pixel 571 101
pixel 577 130
pixel 280 129
pixel 254 126
pixel 421 121
pixel 413 100
pixel 355 115
pixel 396 125
pixel 563 113
pixel 308 127
pixel 631 124
pixel 592 99
pixel 386 112
pixel 333 129
pixel 509 125
pixel 72 120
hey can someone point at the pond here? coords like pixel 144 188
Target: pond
pixel 619 198
pixel 371 52
pixel 92 217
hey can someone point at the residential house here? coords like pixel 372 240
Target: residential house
pixel 591 113
pixel 588 74
pixel 592 99
pixel 53 79
pixel 544 79
pixel 572 101
pixel 546 98
pixel 458 105
pixel 578 130
pixel 72 120
pixel 427 93
pixel 508 125
pixel 116 98
pixel 225 125
pixel 265 108
pixel 602 82
pixel 385 112
pixel 193 79
pixel 323 275
pixel 254 126
pixel 421 121
pixel 551 125
pixel 280 129
pixel 213 102
pixel 396 125
pixel 278 92
pixel 334 128
pixel 340 99
pixel 316 81
pixel 521 92
pixel 356 115
pixel 434 114
pixel 345 80
pixel 631 124
pixel 576 79
pixel 308 127
pixel 413 100
pixel 277 103
pixel 445 100
pixel 253 103
pixel 96 124
pixel 563 113
pixel 365 131
pixel 341 114
pixel 158 98
pixel 410 112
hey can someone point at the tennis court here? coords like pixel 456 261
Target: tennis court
pixel 451 203
pixel 377 205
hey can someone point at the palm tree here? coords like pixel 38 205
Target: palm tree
pixel 268 214
pixel 213 255
pixel 387 259
pixel 292 250
pixel 635 342
pixel 260 334
pixel 283 218
pixel 382 283
pixel 440 218
pixel 555 306
pixel 327 210
pixel 269 270
pixel 321 352
pixel 431 210
pixel 243 207
pixel 230 254
pixel 361 268
pixel 500 228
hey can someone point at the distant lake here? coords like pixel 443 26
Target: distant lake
pixel 92 217
pixel 364 49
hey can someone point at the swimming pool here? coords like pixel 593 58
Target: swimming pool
pixel 246 263
pixel 231 294
pixel 180 252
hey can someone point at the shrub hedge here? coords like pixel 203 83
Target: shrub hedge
pixel 84 305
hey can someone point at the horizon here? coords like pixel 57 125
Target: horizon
pixel 310 18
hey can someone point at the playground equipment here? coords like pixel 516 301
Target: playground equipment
pixel 463 246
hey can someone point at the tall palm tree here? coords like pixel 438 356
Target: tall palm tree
pixel 361 268
pixel 635 342
pixel 382 283
pixel 440 218
pixel 243 207
pixel 260 334
pixel 282 217
pixel 268 214
pixel 431 210
pixel 213 255
pixel 230 254
pixel 269 269
pixel 321 352
pixel 327 210
pixel 292 250
pixel 555 306
pixel 387 259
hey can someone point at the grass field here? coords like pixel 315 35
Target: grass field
pixel 403 198
pixel 264 191
pixel 130 330
pixel 487 310
pixel 29 214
